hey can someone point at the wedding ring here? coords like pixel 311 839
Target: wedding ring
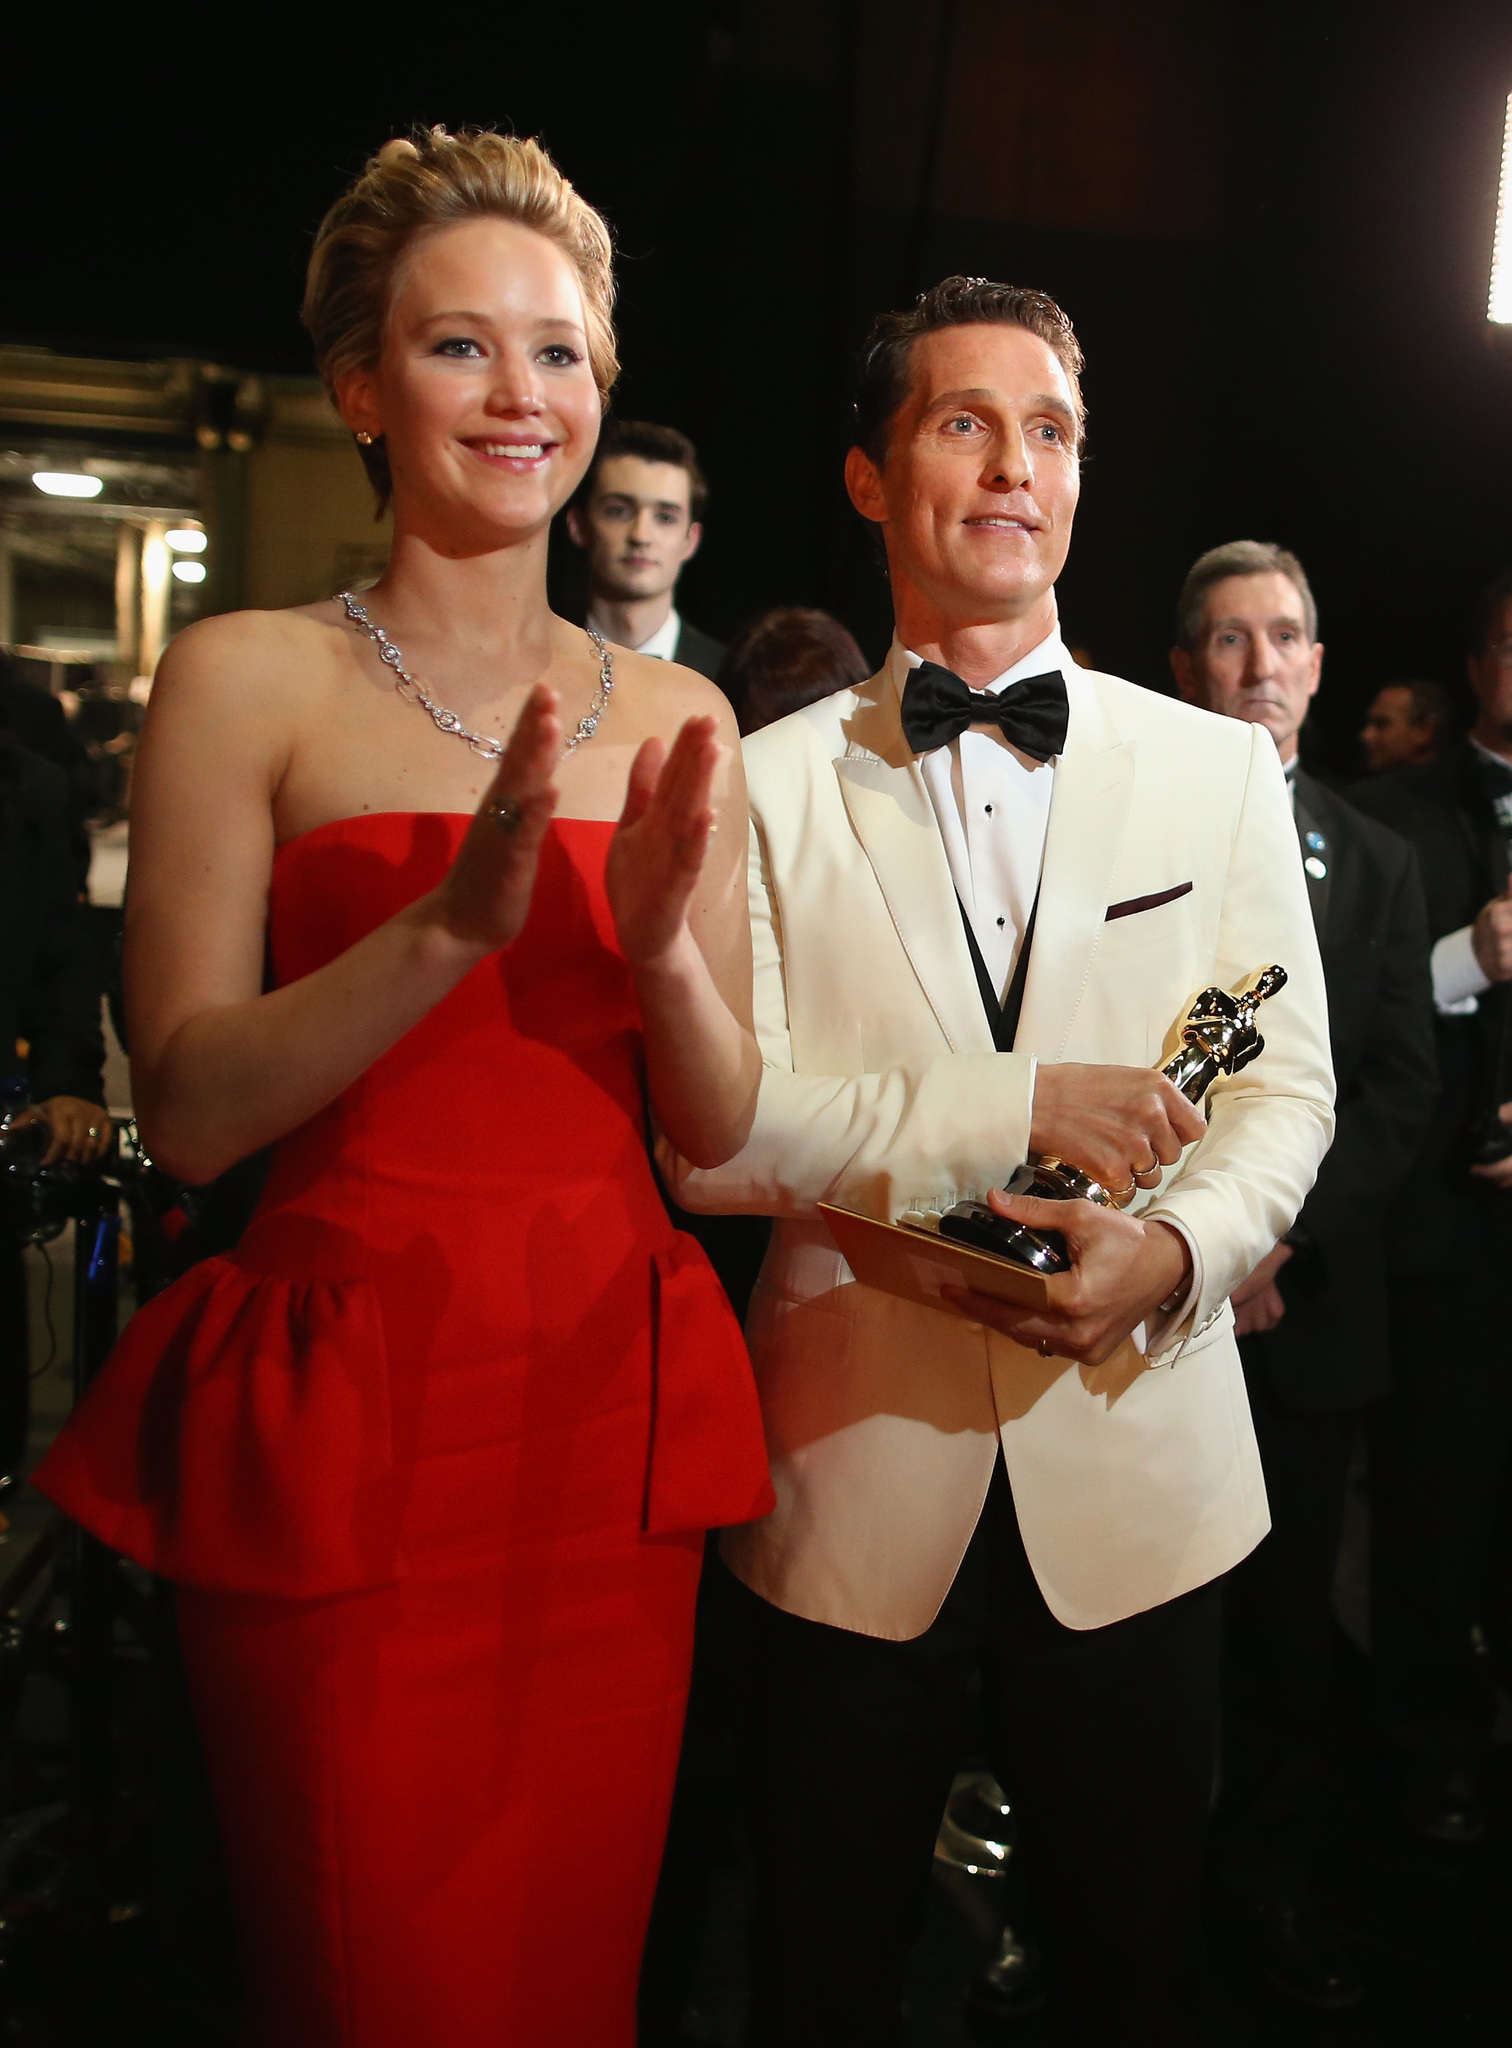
pixel 1122 1194
pixel 94 1130
pixel 506 815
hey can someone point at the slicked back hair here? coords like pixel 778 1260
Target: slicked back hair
pixel 1238 558
pixel 954 302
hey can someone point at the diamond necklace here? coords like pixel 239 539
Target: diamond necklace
pixel 414 691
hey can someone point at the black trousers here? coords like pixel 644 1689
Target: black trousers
pixel 703 1822
pixel 1439 1449
pixel 1278 1653
pixel 1102 1739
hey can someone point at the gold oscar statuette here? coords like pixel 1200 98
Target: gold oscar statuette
pixel 1218 1038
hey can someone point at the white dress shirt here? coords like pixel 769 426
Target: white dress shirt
pixel 993 811
pixel 662 643
pixel 1458 983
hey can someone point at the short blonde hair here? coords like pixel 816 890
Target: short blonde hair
pixel 433 180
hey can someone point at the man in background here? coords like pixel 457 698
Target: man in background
pixel 1405 726
pixel 1311 1317
pixel 638 516
pixel 1439 1448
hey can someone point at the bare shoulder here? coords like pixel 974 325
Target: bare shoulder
pixel 251 660
pixel 664 694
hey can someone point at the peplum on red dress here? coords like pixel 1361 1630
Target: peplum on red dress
pixel 430 1457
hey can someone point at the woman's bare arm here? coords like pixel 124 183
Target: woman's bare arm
pixel 220 1069
pixel 677 884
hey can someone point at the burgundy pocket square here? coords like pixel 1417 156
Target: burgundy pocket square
pixel 1136 903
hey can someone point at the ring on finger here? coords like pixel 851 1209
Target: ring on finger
pixel 506 815
pixel 1123 1194
pixel 1043 1348
pixel 94 1130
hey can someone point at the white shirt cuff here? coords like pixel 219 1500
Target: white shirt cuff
pixel 1154 1337
pixel 1457 976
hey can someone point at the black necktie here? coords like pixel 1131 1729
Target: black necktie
pixel 937 707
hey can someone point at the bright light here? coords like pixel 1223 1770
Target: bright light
pixel 189 572
pixel 187 540
pixel 67 483
pixel 1499 307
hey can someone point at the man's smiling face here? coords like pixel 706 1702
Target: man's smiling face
pixel 979 488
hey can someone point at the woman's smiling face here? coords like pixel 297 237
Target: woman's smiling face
pixel 483 390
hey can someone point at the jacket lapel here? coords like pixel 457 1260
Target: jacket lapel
pixel 892 816
pixel 1316 850
pixel 1089 808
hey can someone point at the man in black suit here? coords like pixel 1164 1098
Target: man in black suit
pixel 638 516
pixel 1439 1448
pixel 1312 1315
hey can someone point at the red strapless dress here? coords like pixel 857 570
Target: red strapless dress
pixel 430 1457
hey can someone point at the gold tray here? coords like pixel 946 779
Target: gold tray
pixel 911 1261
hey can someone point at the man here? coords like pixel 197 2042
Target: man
pixel 1405 726
pixel 1028 1501
pixel 1439 1447
pixel 638 516
pixel 1311 1317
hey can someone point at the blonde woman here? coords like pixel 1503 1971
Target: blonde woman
pixel 431 1456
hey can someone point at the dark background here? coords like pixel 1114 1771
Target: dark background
pixel 1271 225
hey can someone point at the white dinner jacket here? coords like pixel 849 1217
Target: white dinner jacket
pixel 882 1091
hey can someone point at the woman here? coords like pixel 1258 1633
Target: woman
pixel 432 1454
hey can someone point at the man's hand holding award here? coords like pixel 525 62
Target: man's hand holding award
pixel 1108 1271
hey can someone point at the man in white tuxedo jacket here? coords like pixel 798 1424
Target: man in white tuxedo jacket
pixel 984 887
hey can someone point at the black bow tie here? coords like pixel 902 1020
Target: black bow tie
pixel 937 707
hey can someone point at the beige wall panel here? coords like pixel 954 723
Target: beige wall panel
pixel 312 529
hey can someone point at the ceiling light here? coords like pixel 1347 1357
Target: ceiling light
pixel 189 572
pixel 67 483
pixel 187 540
pixel 1499 306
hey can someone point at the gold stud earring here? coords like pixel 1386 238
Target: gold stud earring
pixel 364 440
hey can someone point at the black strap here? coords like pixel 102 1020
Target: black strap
pixel 1002 1018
